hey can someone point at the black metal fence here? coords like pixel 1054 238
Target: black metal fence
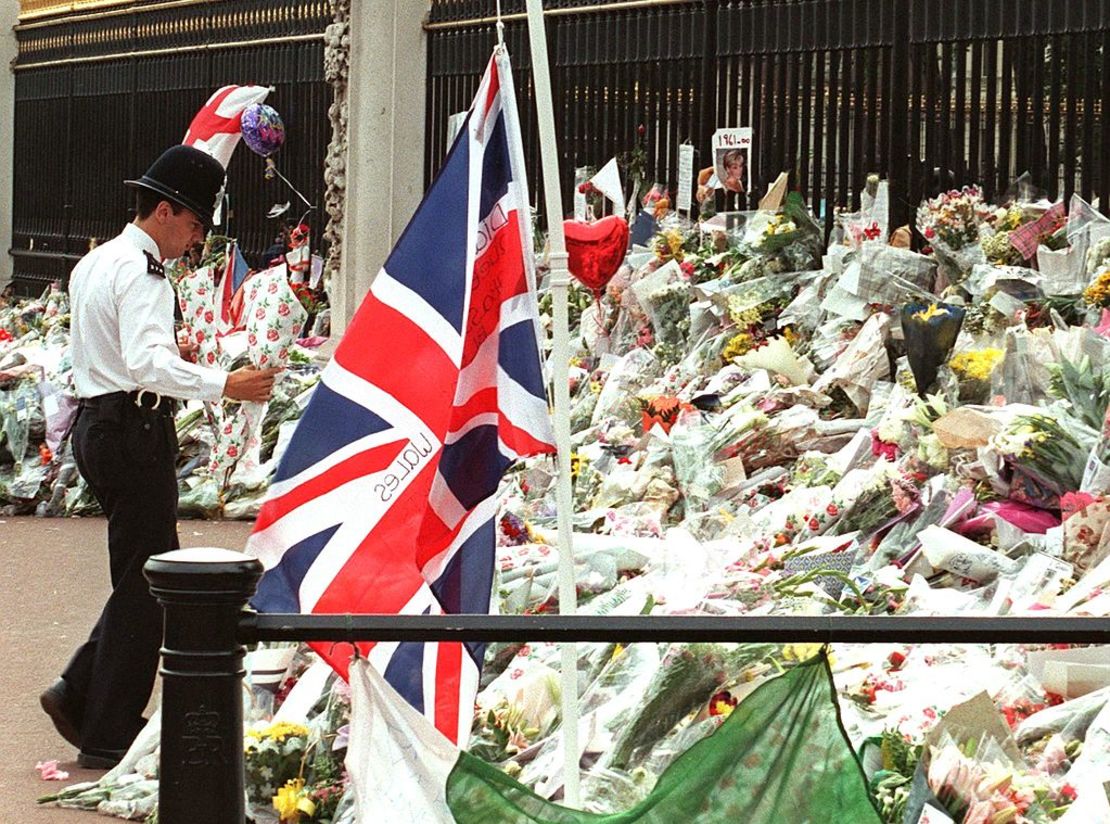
pixel 930 94
pixel 202 656
pixel 100 95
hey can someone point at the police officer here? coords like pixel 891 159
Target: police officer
pixel 128 371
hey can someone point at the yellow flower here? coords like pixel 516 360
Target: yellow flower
pixel 1098 293
pixel 934 311
pixel 976 365
pixel 291 802
pixel 739 345
pixel 278 731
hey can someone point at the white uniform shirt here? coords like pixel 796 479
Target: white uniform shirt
pixel 122 336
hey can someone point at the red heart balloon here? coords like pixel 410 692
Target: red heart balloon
pixel 596 250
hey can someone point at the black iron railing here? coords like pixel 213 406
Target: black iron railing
pixel 206 627
pixel 930 94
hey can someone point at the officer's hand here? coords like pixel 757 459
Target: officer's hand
pixel 250 384
pixel 188 351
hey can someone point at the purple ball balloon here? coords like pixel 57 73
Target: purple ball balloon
pixel 262 129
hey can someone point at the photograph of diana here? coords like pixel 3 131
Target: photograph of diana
pixel 732 169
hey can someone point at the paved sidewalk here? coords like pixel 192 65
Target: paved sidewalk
pixel 54 578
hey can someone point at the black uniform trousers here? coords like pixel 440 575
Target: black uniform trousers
pixel 126 454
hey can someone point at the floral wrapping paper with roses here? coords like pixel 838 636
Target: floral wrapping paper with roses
pixel 196 295
pixel 274 321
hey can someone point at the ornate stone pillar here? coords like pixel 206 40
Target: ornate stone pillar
pixel 9 14
pixel 382 176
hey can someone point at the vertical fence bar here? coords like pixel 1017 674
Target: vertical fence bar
pixel 1005 120
pixel 959 129
pixel 975 112
pixel 1088 164
pixel 1037 118
pixel 1072 97
pixel 1104 127
pixel 203 592
pixel 830 141
pixel 990 132
pixel 901 159
pixel 820 91
pixel 1055 85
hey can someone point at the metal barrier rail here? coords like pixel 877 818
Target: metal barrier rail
pixel 204 594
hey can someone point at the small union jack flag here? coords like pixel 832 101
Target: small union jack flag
pixel 385 499
pixel 215 128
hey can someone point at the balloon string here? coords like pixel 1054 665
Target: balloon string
pixel 285 180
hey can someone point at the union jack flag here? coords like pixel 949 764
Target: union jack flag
pixel 386 497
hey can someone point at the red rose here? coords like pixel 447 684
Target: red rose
pixel 209 316
pixel 260 314
pixel 232 452
pixel 199 312
pixel 272 335
pixel 273 287
pixel 211 357
pixel 227 429
pixel 200 336
pixel 201 290
pixel 252 340
pixel 283 309
pixel 283 353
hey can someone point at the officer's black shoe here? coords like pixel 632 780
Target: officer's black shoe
pixel 99 759
pixel 55 702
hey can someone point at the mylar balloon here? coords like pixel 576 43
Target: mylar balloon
pixel 596 250
pixel 262 129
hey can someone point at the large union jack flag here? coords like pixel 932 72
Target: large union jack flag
pixel 385 500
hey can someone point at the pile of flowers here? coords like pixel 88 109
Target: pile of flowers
pixel 765 425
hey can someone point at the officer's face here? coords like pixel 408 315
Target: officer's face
pixel 184 231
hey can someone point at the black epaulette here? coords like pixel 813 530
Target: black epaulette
pixel 154 266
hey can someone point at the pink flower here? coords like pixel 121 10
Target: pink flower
pixel 272 334
pixel 283 353
pixel 48 771
pixel 211 357
pixel 930 233
pixel 200 336
pixel 515 674
pixel 261 313
pixel 209 316
pixel 283 309
pixel 252 339
pixel 232 451
pixel 273 287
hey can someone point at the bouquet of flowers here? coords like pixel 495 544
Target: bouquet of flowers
pixel 930 333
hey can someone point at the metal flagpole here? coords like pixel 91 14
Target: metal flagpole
pixel 559 281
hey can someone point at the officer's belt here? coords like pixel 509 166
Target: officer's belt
pixel 142 398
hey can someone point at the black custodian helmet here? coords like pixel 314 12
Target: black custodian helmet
pixel 189 178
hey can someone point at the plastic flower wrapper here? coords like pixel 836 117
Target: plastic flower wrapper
pixel 930 332
pixel 275 319
pixel 627 378
pixel 196 295
pixel 688 675
pixel 861 364
pixel 1046 455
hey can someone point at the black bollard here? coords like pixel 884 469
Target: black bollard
pixel 203 592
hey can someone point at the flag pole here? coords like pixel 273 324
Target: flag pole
pixel 560 356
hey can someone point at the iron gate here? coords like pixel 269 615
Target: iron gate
pixel 100 95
